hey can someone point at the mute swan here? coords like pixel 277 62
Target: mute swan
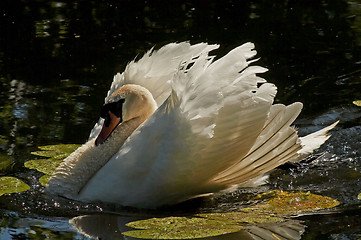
pixel 176 124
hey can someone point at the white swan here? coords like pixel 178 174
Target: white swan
pixel 179 125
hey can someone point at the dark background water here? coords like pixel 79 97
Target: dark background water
pixel 57 61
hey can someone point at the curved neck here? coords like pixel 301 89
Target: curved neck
pixel 113 144
pixel 76 170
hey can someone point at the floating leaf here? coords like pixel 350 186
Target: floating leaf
pixel 44 180
pixel 179 228
pixel 286 203
pixel 59 151
pixel 12 185
pixel 357 103
pixel 46 166
pixel 55 154
pixel 244 216
pixel 5 162
pixel 278 205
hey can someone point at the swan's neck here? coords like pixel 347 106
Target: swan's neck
pixel 76 170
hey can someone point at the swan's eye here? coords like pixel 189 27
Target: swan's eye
pixel 114 107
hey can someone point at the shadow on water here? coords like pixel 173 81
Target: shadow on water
pixel 57 60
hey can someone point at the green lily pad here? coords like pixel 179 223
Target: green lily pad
pixel 243 216
pixel 180 228
pixel 59 151
pixel 12 185
pixel 44 180
pixel 55 154
pixel 276 206
pixel 286 203
pixel 46 166
pixel 6 162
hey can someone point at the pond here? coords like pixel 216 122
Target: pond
pixel 58 59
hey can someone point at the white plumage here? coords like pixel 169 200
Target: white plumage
pixel 214 127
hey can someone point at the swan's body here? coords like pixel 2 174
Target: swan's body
pixel 179 125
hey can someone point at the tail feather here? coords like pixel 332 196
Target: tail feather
pixel 313 141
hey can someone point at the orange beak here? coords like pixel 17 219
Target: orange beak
pixel 110 123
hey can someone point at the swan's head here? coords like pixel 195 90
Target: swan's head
pixel 129 102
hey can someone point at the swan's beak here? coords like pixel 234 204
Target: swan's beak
pixel 110 123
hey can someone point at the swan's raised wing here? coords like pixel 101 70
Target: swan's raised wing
pixel 155 70
pixel 214 114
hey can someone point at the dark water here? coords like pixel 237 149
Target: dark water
pixel 57 60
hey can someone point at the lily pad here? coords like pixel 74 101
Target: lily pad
pixel 243 216
pixel 180 228
pixel 12 185
pixel 357 103
pixel 6 162
pixel 59 151
pixel 44 180
pixel 46 166
pixel 55 154
pixel 276 207
pixel 285 203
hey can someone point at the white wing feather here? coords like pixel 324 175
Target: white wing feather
pixel 155 71
pixel 276 144
pixel 314 140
